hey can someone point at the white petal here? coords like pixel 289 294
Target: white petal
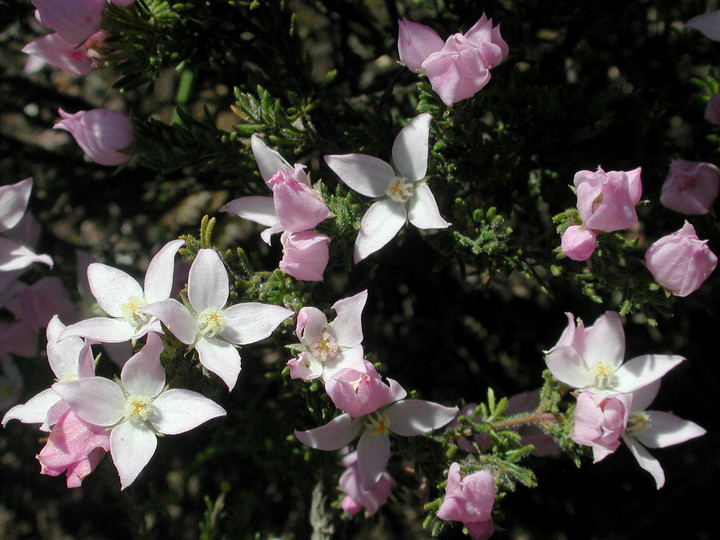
pixel 643 370
pixel 567 366
pixel 94 399
pixel 112 288
pixel 15 256
pixel 54 327
pixel 132 448
pixel 353 358
pixel 143 374
pixel 646 461
pixel 410 149
pixel 397 392
pixel 159 275
pixel 102 329
pixel 378 226
pixel 258 209
pixel 221 358
pixel 311 323
pixel 643 397
pixel 605 341
pixel 176 317
pixel 64 356
pixel 35 410
pixel 414 416
pixel 208 281
pixel 332 436
pixel 252 321
pixel 13 203
pixel 667 429
pixel 183 410
pixel 347 326
pixel 373 453
pixel 365 174
pixel 269 161
pixel 423 210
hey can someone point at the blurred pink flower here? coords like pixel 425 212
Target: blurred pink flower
pixel 74 20
pixel 606 201
pixel 305 255
pixel 708 24
pixel 578 242
pixel 356 497
pixel 469 499
pixel 600 420
pixel 691 187
pixel 712 110
pixel 101 133
pixel 680 262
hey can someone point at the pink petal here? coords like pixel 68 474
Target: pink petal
pixel 373 453
pixel 347 326
pixel 183 410
pixel 112 288
pixel 410 149
pixel 13 203
pixel 605 341
pixel 311 323
pixel 707 23
pixel 365 174
pixel 258 209
pixel 416 42
pixel 415 417
pixel 101 133
pixel 101 329
pixel 14 256
pixel 221 358
pixel 667 429
pixel 646 461
pixel 74 20
pixel 208 282
pixel 269 161
pixel 176 318
pixel 252 321
pixel 159 275
pixel 332 436
pixel 96 400
pixel 57 52
pixel 423 210
pixel 143 374
pixel 378 226
pixel 131 448
pixel 567 365
pixel 643 370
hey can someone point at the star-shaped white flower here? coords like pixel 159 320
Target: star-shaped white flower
pixel 405 194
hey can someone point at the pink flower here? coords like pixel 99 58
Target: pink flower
pixel 77 59
pixel 305 255
pixel 407 418
pixel 654 429
pixel 708 24
pixel 405 193
pixel 212 328
pixel 137 408
pixel 469 499
pixel 356 497
pixel 680 262
pixel 459 67
pixel 600 420
pixel 75 447
pixel 358 392
pixel 101 133
pixel 592 358
pixel 690 187
pixel 712 110
pixel 606 201
pixel 36 304
pixel 578 242
pixel 74 20
pixel 326 347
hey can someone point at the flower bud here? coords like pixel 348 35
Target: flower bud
pixel 690 187
pixel 606 201
pixel 100 133
pixel 600 420
pixel 306 255
pixel 578 242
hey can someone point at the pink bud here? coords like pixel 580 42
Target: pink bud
pixel 690 187
pixel 358 393
pixel 297 205
pixel 305 255
pixel 680 262
pixel 470 499
pixel 100 133
pixel 600 420
pixel 606 201
pixel 416 42
pixel 578 242
pixel 74 20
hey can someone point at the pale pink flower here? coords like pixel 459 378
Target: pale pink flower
pixel 469 499
pixel 600 420
pixel 358 392
pixel 680 262
pixel 211 327
pixel 592 358
pixel 712 110
pixel 74 20
pixel 606 201
pixel 74 447
pixel 122 298
pixel 578 242
pixel 690 187
pixel 407 418
pixel 137 408
pixel 36 304
pixel 708 24
pixel 326 347
pixel 416 42
pixel 654 429
pixel 101 133
pixel 53 49
pixel 356 497
pixel 305 255
pixel 294 207
pixel 405 193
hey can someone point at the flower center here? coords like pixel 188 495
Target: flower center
pixel 131 311
pixel 637 423
pixel 400 189
pixel 602 375
pixel 138 408
pixel 325 348
pixel 377 424
pixel 211 322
